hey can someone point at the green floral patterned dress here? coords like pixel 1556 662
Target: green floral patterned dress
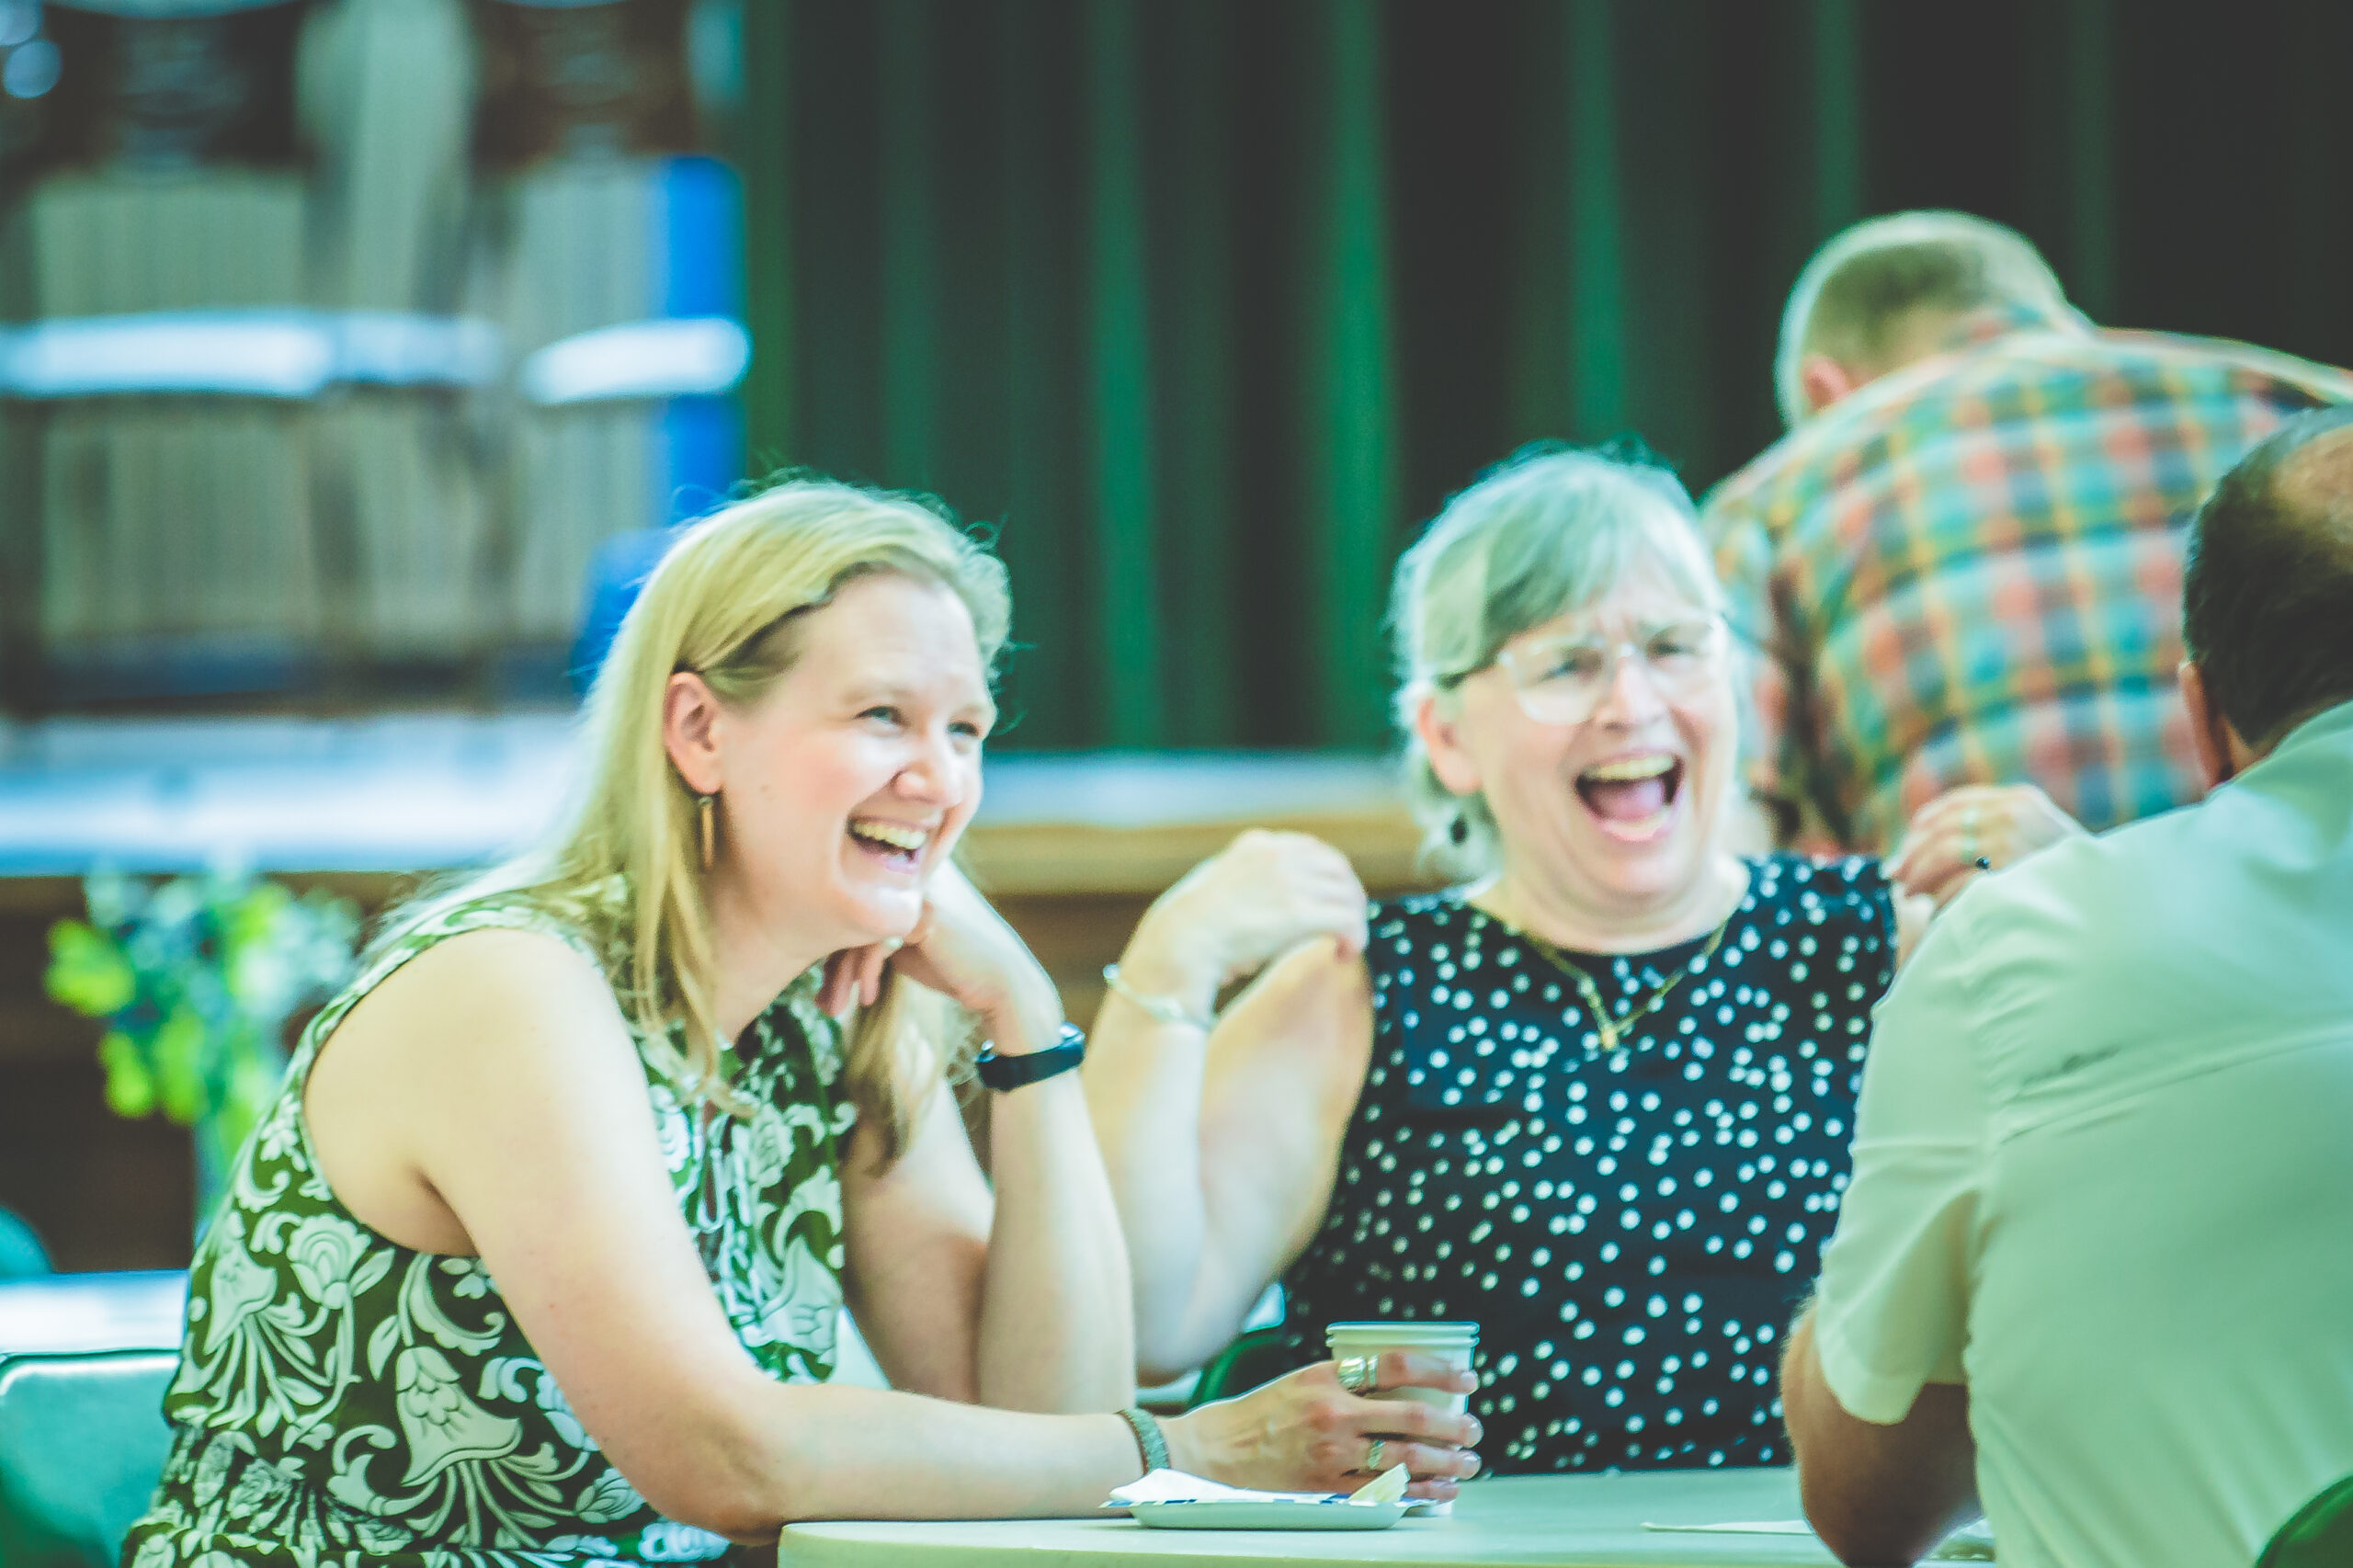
pixel 343 1399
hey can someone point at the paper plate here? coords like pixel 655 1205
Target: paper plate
pixel 1251 1514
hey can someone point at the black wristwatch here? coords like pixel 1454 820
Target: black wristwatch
pixel 996 1071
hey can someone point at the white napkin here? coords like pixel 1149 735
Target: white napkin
pixel 1175 1486
pixel 1970 1543
pixel 1739 1527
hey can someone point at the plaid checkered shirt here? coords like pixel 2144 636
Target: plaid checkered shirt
pixel 1968 571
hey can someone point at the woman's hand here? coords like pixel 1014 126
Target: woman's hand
pixel 963 948
pixel 1253 901
pixel 2001 823
pixel 1303 1432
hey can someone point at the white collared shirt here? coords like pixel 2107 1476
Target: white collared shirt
pixel 2104 1175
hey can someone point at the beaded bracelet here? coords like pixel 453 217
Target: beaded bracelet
pixel 1149 1441
pixel 1166 1009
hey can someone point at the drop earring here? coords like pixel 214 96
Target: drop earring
pixel 708 828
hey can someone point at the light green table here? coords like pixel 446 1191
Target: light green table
pixel 1581 1521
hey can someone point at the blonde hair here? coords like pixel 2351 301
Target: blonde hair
pixel 623 867
pixel 1861 285
pixel 1549 530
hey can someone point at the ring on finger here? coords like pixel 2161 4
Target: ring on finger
pixel 1374 1455
pixel 1356 1373
pixel 1968 836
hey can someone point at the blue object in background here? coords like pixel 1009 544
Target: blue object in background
pixel 701 255
pixel 622 565
pixel 699 463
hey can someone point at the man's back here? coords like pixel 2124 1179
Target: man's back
pixel 2106 1142
pixel 1968 571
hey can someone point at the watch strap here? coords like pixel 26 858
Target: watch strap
pixel 1002 1073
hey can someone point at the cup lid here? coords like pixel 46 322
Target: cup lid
pixel 1403 1332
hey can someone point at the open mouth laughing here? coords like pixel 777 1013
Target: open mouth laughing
pixel 898 846
pixel 1632 798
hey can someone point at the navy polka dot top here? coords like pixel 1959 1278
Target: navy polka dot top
pixel 1632 1231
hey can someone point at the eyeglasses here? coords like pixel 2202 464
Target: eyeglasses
pixel 1563 680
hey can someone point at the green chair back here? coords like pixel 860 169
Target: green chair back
pixel 1250 1360
pixel 82 1441
pixel 2319 1535
pixel 21 1255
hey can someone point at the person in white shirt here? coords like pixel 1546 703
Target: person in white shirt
pixel 2094 1267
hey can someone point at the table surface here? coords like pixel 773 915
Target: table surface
pixel 1578 1521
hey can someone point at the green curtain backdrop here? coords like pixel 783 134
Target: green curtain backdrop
pixel 1207 304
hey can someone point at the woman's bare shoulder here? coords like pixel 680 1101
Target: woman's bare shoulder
pixel 500 1005
pixel 496 974
pixel 493 1037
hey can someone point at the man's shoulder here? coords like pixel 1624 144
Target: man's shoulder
pixel 2070 947
pixel 2246 367
pixel 1809 459
pixel 1963 393
pixel 1986 382
pixel 2073 890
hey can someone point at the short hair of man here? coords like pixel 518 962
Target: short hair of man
pixel 1871 277
pixel 2267 590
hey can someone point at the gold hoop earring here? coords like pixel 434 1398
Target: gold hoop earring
pixel 708 828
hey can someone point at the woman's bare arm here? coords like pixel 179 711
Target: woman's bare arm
pixel 487 1099
pixel 1284 1077
pixel 1019 1299
pixel 1221 1149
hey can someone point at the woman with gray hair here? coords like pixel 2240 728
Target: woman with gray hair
pixel 1597 1097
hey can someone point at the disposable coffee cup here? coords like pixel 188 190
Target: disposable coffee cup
pixel 1449 1342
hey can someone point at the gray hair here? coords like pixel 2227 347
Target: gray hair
pixel 1869 277
pixel 1549 530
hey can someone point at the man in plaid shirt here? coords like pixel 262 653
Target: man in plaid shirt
pixel 1963 565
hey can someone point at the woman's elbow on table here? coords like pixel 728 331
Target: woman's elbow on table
pixel 720 1468
pixel 721 1497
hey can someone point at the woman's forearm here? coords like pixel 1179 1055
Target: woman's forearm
pixel 749 1456
pixel 832 1451
pixel 1143 1079
pixel 1057 1323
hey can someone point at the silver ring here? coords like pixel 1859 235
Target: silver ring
pixel 1356 1373
pixel 1374 1455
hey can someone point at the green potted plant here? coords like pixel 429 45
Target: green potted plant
pixel 196 977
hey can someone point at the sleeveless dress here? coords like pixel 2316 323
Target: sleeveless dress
pixel 1632 1229
pixel 342 1399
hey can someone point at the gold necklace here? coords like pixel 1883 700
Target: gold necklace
pixel 1605 1028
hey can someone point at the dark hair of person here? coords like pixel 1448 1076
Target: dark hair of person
pixel 2267 594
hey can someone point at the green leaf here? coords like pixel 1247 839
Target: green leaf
pixel 179 1065
pixel 86 971
pixel 252 919
pixel 382 1342
pixel 131 1088
pixel 253 1084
